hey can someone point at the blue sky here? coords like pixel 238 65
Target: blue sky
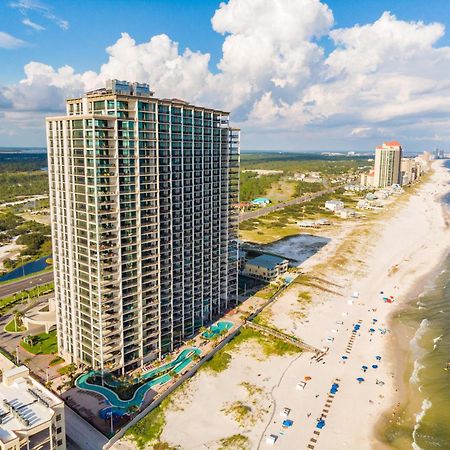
pixel 77 34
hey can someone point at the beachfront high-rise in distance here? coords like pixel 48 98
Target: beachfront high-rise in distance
pixel 387 164
pixel 143 195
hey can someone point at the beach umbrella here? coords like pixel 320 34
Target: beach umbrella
pixel 374 366
pixel 307 378
pixel 372 330
pixel 320 424
pixel 360 380
pixel 344 357
pixel 381 292
pixel 364 368
pixel 378 358
pixel 375 320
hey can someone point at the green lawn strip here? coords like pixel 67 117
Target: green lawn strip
pixel 11 327
pixel 35 292
pixel 46 344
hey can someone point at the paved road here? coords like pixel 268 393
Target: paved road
pixel 295 201
pixel 27 283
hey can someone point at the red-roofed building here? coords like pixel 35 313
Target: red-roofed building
pixel 391 144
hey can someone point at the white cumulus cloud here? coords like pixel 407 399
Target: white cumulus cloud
pixel 283 87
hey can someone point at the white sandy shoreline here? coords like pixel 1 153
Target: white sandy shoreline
pixel 392 255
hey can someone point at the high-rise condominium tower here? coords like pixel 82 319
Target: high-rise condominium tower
pixel 144 224
pixel 387 164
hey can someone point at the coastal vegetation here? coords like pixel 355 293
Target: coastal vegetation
pixel 269 345
pixel 252 185
pixel 33 237
pixel 283 223
pixel 22 184
pixel 234 442
pixel 21 175
pixel 292 163
pixel 149 429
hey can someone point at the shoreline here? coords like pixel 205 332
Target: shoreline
pixel 399 353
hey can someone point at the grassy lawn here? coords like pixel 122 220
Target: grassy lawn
pixel 11 327
pixel 46 344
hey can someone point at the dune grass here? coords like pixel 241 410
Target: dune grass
pixel 270 346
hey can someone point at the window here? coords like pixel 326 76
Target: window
pixel 58 430
pixel 58 417
pixel 59 442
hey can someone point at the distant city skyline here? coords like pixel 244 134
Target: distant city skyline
pixel 297 74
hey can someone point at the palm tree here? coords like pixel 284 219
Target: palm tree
pixel 18 320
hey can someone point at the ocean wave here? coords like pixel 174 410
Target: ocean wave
pixel 418 366
pixel 436 340
pixel 418 351
pixel 426 405
pixel 420 332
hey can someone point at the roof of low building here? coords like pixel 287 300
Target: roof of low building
pixel 267 261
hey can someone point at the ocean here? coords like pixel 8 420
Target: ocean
pixel 423 419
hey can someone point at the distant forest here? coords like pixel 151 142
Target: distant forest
pixel 22 174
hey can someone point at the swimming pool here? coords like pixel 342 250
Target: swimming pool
pixel 217 329
pixel 120 406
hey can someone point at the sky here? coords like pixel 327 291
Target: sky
pixel 296 75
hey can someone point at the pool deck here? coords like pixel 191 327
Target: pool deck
pixel 88 403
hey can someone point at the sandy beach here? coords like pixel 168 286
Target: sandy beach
pixel 391 253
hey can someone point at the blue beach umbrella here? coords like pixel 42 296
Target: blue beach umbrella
pixel 360 380
pixel 374 366
pixel 364 368
pixel 344 357
pixel 320 424
pixel 378 358
pixel 372 330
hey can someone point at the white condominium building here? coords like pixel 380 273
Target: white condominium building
pixel 31 417
pixel 143 195
pixel 387 164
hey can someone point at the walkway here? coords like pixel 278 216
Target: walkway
pixel 284 337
